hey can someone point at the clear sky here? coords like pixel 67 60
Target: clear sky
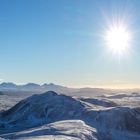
pixel 60 41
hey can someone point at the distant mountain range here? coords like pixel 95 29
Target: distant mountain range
pixel 33 87
pixel 9 86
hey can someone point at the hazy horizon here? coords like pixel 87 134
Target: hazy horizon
pixel 82 86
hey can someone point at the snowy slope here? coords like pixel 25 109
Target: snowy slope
pixel 70 129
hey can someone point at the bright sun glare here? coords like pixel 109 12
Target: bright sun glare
pixel 118 39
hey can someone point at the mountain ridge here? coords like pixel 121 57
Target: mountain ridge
pixel 40 88
pixel 51 112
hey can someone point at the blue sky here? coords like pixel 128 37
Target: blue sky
pixel 60 41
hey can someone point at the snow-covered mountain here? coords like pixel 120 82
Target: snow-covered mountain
pixel 36 88
pixel 9 86
pixel 51 115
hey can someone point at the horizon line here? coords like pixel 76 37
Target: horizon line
pixel 82 86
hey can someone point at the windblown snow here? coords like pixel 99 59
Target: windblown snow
pixel 55 116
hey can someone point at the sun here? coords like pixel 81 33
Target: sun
pixel 118 39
